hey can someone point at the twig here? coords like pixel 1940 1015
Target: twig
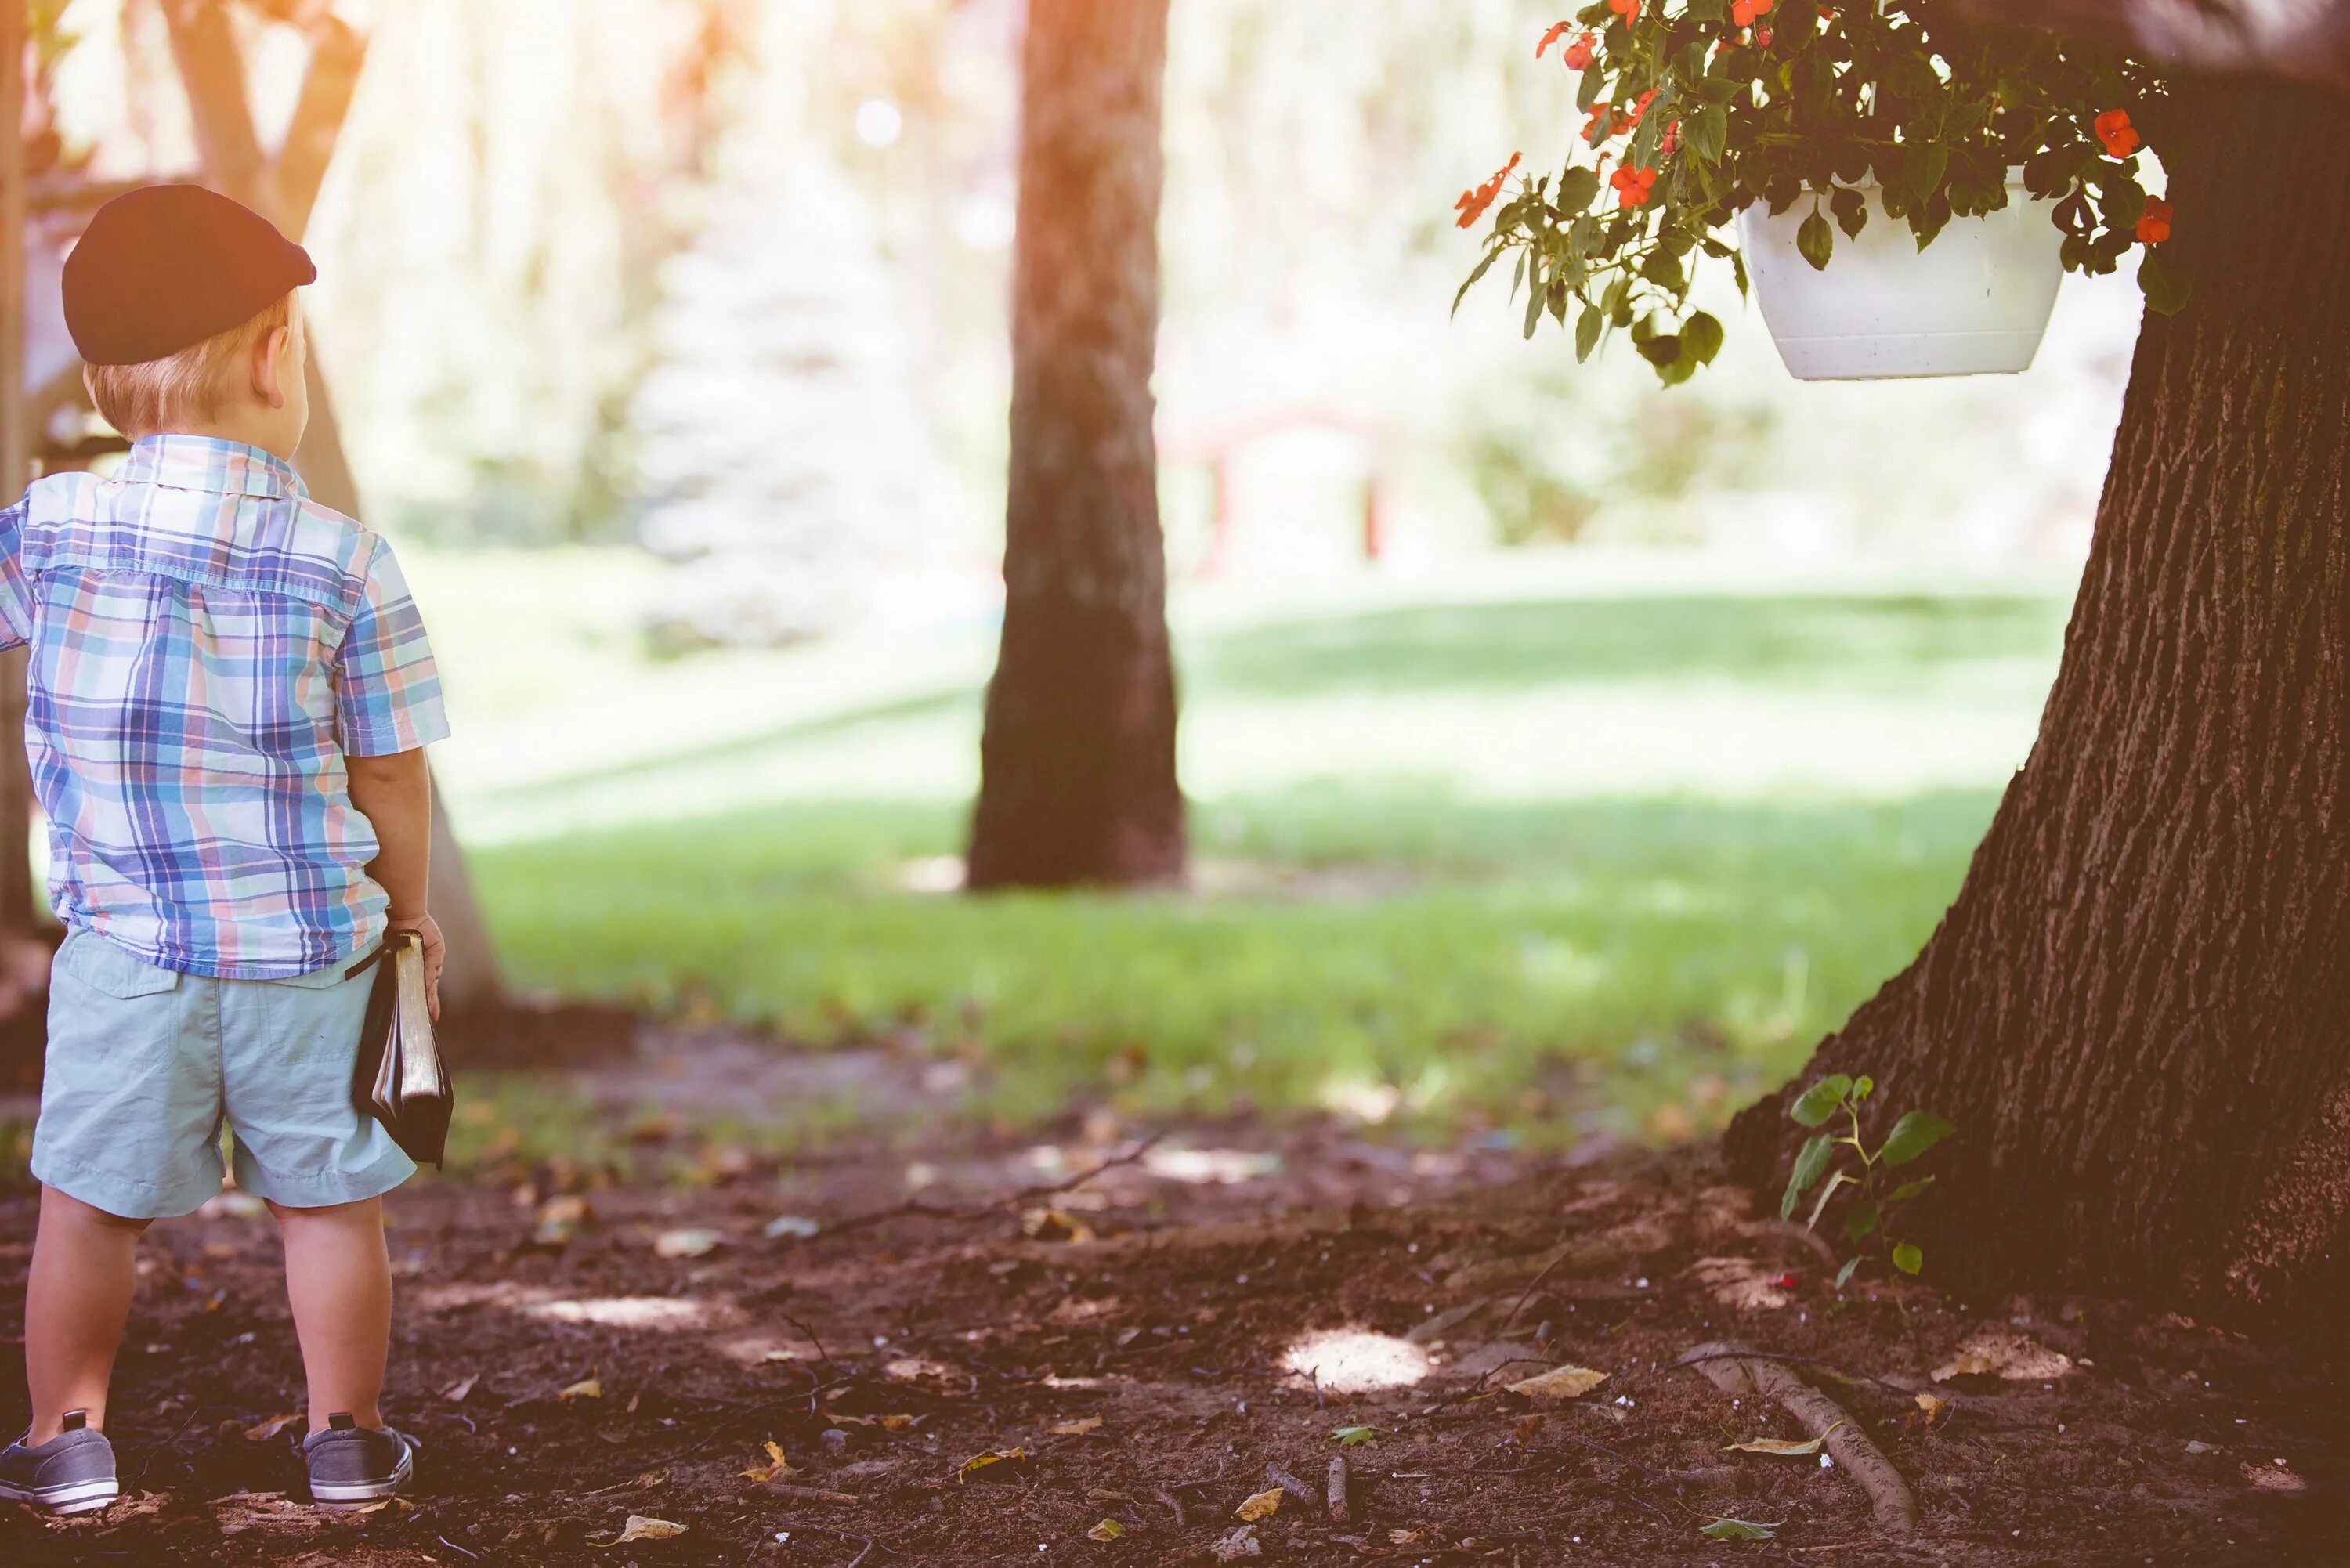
pixel 1704 1354
pixel 1290 1484
pixel 810 1493
pixel 1894 1504
pixel 457 1549
pixel 821 1354
pixel 1175 1505
pixel 1336 1493
pixel 915 1208
pixel 1532 1285
pixel 870 1544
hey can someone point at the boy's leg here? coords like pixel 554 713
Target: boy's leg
pixel 75 1304
pixel 338 1279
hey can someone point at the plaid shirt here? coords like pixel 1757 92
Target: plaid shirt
pixel 208 644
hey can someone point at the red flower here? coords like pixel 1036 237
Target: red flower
pixel 1743 12
pixel 1559 31
pixel 2114 129
pixel 1598 117
pixel 1672 139
pixel 1763 37
pixel 2154 223
pixel 1639 108
pixel 1579 54
pixel 1633 186
pixel 1627 9
pixel 1473 204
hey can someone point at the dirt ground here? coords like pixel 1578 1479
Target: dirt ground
pixel 1139 1348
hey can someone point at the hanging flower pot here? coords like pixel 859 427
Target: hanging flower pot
pixel 1933 180
pixel 1975 302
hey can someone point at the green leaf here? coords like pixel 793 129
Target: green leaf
pixel 1827 1192
pixel 1355 1436
pixel 1909 1189
pixel 1702 333
pixel 1912 1135
pixel 1707 132
pixel 1816 241
pixel 1811 1161
pixel 1587 328
pixel 1663 269
pixel 1851 210
pixel 1738 270
pixel 1738 1529
pixel 1862 1087
pixel 2165 292
pixel 1924 165
pixel 1861 1223
pixel 1907 1258
pixel 1577 188
pixel 1818 1103
pixel 1483 268
pixel 1845 1273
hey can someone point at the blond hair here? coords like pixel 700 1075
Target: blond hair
pixel 193 386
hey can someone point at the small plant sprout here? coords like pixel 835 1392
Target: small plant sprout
pixel 1868 1219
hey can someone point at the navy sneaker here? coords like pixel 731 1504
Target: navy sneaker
pixel 349 1463
pixel 73 1473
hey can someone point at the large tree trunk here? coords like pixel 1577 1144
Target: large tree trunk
pixel 2137 1010
pixel 1078 764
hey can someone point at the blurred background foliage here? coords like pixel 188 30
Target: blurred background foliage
pixel 670 341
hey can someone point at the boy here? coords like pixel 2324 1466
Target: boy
pixel 230 693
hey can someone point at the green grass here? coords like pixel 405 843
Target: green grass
pixel 1558 968
pixel 1560 859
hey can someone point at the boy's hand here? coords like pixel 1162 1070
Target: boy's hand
pixel 428 936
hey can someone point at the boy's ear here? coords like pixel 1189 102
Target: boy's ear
pixel 272 364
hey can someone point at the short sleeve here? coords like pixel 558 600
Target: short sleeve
pixel 15 588
pixel 386 688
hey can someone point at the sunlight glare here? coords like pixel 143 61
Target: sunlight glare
pixel 1356 1361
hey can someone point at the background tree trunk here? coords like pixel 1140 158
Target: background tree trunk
pixel 2137 1010
pixel 1078 764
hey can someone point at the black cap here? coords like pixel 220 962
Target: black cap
pixel 163 267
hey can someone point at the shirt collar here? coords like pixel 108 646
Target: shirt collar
pixel 209 463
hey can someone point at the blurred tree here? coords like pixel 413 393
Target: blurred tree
pixel 2135 1011
pixel 1078 762
pixel 783 455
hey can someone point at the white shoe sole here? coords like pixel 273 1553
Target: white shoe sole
pixel 368 1492
pixel 81 1497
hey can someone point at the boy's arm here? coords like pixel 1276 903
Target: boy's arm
pixel 394 793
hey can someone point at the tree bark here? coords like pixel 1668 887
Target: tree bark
pixel 1078 762
pixel 2304 38
pixel 2137 1010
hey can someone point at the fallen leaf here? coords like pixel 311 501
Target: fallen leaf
pixel 642 1527
pixel 1738 1529
pixel 1560 1383
pixel 1264 1505
pixel 1787 1446
pixel 1079 1428
pixel 781 1355
pixel 895 1423
pixel 779 1468
pixel 2013 1358
pixel 1242 1542
pixel 456 1392
pixel 1107 1530
pixel 1406 1537
pixel 269 1429
pixel 686 1243
pixel 1053 1225
pixel 2278 1477
pixel 1933 1404
pixel 588 1387
pixel 995 1457
pixel 648 1479
pixel 792 1225
pixel 1104 1494
pixel 1354 1437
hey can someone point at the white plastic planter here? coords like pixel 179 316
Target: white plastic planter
pixel 1975 302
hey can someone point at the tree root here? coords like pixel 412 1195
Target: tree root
pixel 1735 1369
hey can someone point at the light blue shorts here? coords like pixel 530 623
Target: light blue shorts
pixel 145 1065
